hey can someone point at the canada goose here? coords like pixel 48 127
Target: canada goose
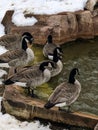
pixel 19 57
pixel 11 42
pixel 32 75
pixel 49 48
pixel 58 63
pixel 66 93
pixel 96 127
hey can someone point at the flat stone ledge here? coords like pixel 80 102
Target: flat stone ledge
pixel 16 103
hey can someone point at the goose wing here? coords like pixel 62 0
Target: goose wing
pixel 11 55
pixel 25 74
pixel 10 41
pixel 48 49
pixel 63 93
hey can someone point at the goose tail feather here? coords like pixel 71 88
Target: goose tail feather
pixel 8 82
pixel 2 61
pixel 49 105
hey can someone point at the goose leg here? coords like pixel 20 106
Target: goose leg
pixel 28 88
pixel 33 95
pixel 29 93
pixel 68 110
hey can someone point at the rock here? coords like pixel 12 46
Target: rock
pixel 7 21
pixel 17 103
pixel 63 26
pixel 90 4
pixel 85 25
pixel 95 21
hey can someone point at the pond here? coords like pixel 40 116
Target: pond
pixel 82 54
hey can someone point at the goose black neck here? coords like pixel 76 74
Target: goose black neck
pixel 55 56
pixel 49 39
pixel 24 44
pixel 42 66
pixel 72 77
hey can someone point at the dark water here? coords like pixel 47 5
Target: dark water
pixel 84 55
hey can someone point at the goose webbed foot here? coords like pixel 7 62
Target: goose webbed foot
pixel 33 95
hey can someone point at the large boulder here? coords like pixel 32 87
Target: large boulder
pixel 85 25
pixel 63 26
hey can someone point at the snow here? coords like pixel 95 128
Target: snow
pixel 2 72
pixel 2 50
pixel 23 7
pixel 18 16
pixel 8 122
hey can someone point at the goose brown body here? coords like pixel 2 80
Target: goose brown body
pixel 32 75
pixel 49 47
pixel 10 41
pixel 19 57
pixel 13 41
pixel 65 94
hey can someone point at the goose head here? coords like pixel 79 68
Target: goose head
pixel 27 34
pixel 27 42
pixel 46 65
pixel 73 72
pixel 56 54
